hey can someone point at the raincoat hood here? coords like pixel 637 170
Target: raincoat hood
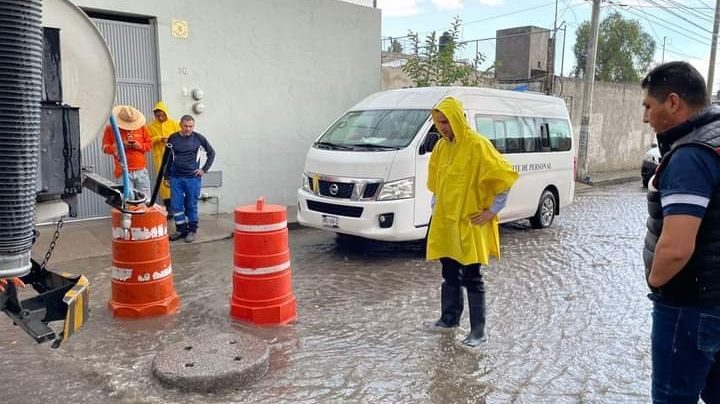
pixel 453 109
pixel 160 132
pixel 162 107
pixel 465 175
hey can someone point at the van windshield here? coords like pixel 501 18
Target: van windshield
pixel 374 130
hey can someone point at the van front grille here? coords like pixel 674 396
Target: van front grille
pixel 331 189
pixel 333 209
pixel 371 189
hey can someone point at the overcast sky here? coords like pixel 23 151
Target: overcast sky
pixel 685 25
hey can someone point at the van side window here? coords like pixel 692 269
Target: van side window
pixel 430 140
pixel 531 129
pixel 486 127
pixel 500 136
pixel 560 137
pixel 514 134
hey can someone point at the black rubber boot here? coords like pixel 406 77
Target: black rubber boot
pixel 477 320
pixel 451 306
pixel 476 305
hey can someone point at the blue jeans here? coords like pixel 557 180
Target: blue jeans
pixel 184 194
pixel 140 181
pixel 685 353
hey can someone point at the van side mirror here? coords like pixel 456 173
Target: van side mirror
pixel 429 143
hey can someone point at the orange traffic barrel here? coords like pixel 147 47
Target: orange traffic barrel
pixel 142 278
pixel 262 284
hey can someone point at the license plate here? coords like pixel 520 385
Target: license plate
pixel 330 221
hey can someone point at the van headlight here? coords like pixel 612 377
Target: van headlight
pixel 306 183
pixel 651 159
pixel 400 189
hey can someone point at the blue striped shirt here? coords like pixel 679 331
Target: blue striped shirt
pixel 688 182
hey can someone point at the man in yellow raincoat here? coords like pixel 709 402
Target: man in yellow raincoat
pixel 469 180
pixel 160 130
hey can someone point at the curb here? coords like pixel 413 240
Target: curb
pixel 581 186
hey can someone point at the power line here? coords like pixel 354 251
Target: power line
pixel 657 37
pixel 674 52
pixel 519 11
pixel 691 12
pixel 510 13
pixel 678 15
pixel 646 16
pixel 705 4
pixel 570 7
pixel 545 31
pixel 673 7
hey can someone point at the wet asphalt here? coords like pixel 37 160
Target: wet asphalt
pixel 568 322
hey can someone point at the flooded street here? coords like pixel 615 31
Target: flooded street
pixel 568 322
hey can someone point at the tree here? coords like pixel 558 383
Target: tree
pixel 433 63
pixel 624 51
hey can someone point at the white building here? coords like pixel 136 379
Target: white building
pixel 272 75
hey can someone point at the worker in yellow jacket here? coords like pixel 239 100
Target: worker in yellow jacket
pixel 160 130
pixel 470 181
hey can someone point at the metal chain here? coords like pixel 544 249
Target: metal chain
pixel 56 236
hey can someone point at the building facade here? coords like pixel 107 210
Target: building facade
pixel 262 78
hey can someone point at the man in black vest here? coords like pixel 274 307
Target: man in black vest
pixel 682 245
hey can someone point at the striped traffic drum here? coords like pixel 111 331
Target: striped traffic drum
pixel 262 282
pixel 142 277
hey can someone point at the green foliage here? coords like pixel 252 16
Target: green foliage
pixel 433 62
pixel 624 53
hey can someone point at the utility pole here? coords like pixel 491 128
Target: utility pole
pixel 550 62
pixel 713 48
pixel 550 65
pixel 582 171
pixel 663 53
pixel 562 58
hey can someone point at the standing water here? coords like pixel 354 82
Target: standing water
pixel 568 322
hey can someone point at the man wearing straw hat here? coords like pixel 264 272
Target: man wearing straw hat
pixel 136 139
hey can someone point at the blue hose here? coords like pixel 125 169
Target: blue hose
pixel 123 160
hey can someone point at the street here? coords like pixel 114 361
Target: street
pixel 568 322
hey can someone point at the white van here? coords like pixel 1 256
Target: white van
pixel 366 175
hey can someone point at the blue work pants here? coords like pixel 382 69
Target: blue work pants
pixel 184 194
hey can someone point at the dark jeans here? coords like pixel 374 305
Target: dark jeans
pixel 685 353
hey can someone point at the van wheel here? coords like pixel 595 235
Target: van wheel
pixel 545 213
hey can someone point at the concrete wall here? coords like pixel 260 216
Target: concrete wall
pixel 618 138
pixel 275 73
pixel 394 77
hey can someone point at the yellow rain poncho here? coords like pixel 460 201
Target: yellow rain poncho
pixel 159 133
pixel 465 175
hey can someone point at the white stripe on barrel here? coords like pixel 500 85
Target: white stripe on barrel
pixel 263 270
pixel 260 228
